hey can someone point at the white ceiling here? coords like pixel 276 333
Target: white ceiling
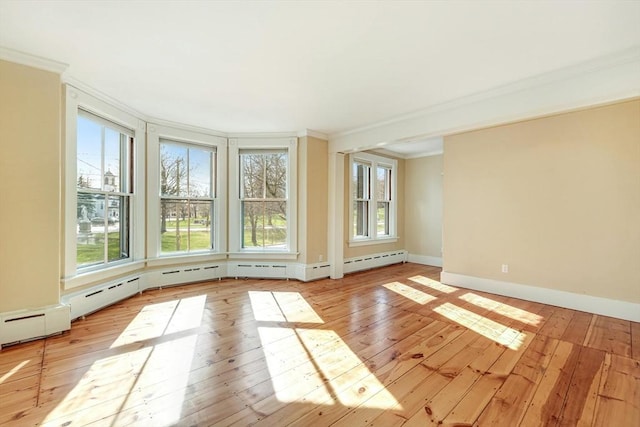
pixel 326 66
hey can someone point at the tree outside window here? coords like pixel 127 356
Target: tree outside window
pixel 263 199
pixel 187 196
pixel 103 190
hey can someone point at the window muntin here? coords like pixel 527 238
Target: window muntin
pixel 372 198
pixel 103 188
pixel 187 197
pixel 263 199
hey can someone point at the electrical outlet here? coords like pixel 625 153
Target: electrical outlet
pixel 320 258
pixel 505 268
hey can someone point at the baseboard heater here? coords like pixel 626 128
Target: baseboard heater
pixel 26 325
pixel 93 299
pixel 373 261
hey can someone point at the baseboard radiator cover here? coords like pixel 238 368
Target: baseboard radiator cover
pixel 26 325
pixel 180 275
pixel 367 262
pixel 97 297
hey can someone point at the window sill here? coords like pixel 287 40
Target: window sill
pixel 172 259
pixel 367 242
pixel 263 255
pixel 89 277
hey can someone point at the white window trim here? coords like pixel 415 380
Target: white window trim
pixel 155 133
pixel 235 223
pixel 71 277
pixel 373 238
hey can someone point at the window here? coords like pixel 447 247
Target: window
pixel 372 196
pixel 187 197
pixel 263 199
pixel 263 208
pixel 104 190
pixel 186 210
pixel 104 176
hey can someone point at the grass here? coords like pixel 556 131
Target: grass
pixel 196 240
pixel 91 253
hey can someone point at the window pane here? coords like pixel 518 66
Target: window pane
pixel 174 226
pixel 252 224
pixel 276 176
pixel 382 216
pixel 200 225
pixel 173 170
pixel 199 172
pixel 361 181
pixel 117 232
pixel 383 181
pixel 89 154
pixel 264 225
pixel 113 147
pixel 361 218
pixel 90 234
pixel 252 176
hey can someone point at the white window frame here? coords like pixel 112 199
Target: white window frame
pixel 235 221
pixel 374 161
pixel 156 133
pixel 72 277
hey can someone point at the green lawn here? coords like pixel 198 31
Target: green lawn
pixel 196 240
pixel 91 253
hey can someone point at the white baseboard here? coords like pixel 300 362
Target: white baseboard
pixel 591 304
pixel 425 260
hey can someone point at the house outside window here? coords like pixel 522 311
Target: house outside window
pixel 104 191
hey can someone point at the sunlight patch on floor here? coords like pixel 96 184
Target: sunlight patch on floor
pixel 118 387
pixel 433 284
pixel 289 366
pixel 308 365
pixel 488 328
pixel 155 320
pixel 282 307
pixel 503 309
pixel 13 371
pixel 368 391
pixel 409 292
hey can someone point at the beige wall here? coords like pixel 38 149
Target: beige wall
pixel 556 198
pixel 29 187
pixel 356 251
pixel 423 209
pixel 313 196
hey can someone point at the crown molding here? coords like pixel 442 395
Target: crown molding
pixel 407 156
pixel 182 126
pixel 262 135
pixel 71 81
pixel 605 79
pixel 313 134
pixel 34 61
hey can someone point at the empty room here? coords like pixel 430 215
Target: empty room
pixel 319 213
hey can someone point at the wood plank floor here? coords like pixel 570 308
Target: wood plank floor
pixel 385 347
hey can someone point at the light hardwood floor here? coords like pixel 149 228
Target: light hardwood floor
pixel 385 347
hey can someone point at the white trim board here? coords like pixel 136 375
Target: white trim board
pixel 425 260
pixel 34 61
pixel 590 304
pixel 603 80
